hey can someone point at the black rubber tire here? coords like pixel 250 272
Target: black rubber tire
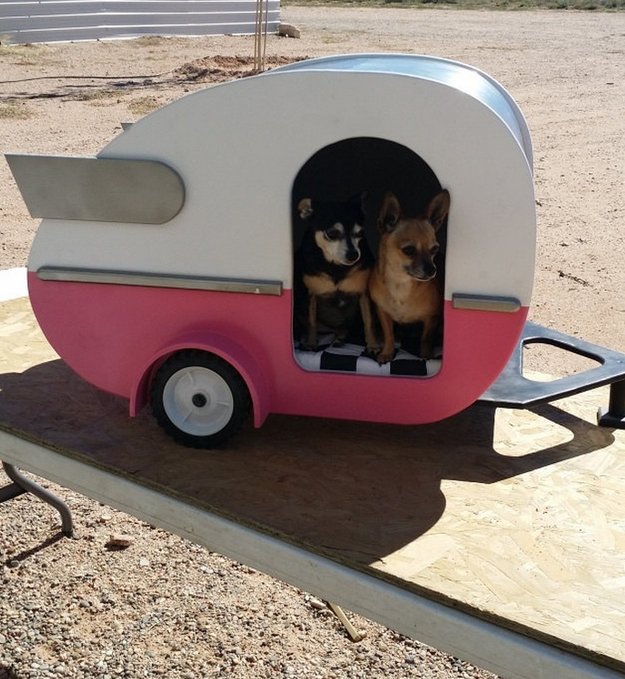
pixel 191 383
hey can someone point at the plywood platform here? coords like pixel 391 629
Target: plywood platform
pixel 515 518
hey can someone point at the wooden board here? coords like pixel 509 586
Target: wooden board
pixel 512 516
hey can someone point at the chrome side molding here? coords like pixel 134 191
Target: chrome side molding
pixel 461 300
pixel 151 280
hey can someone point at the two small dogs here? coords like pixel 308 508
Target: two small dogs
pixel 337 277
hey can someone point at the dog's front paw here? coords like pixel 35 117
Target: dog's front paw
pixel 308 347
pixel 384 357
pixel 371 351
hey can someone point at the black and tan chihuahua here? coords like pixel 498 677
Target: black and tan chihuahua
pixel 332 267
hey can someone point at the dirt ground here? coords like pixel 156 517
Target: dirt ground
pixel 565 69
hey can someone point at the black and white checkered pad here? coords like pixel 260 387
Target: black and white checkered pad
pixel 351 358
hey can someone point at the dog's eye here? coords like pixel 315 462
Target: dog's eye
pixel 409 250
pixel 434 249
pixel 332 234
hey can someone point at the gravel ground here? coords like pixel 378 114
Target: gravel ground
pixel 163 607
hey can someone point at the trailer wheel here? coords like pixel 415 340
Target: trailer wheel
pixel 199 399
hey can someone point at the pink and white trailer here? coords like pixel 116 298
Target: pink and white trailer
pixel 163 267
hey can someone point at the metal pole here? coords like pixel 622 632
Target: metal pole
pixel 21 484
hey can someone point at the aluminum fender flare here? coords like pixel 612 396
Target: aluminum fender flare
pixel 232 352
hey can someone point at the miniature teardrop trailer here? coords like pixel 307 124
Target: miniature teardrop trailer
pixel 163 268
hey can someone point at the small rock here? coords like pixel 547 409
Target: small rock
pixel 118 542
pixel 317 603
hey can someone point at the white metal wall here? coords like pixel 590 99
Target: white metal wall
pixel 54 20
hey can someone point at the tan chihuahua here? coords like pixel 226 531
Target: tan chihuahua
pixel 403 283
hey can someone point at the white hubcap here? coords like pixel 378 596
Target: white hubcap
pixel 198 401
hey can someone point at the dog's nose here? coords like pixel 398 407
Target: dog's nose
pixel 430 270
pixel 351 257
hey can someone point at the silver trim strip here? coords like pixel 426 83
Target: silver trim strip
pixel 461 300
pixel 136 278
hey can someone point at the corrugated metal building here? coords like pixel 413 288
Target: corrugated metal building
pixel 24 21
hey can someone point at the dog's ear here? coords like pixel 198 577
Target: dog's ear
pixel 305 208
pixel 438 209
pixel 390 213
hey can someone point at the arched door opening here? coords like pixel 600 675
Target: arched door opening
pixel 338 192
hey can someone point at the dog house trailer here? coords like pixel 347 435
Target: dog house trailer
pixel 162 269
